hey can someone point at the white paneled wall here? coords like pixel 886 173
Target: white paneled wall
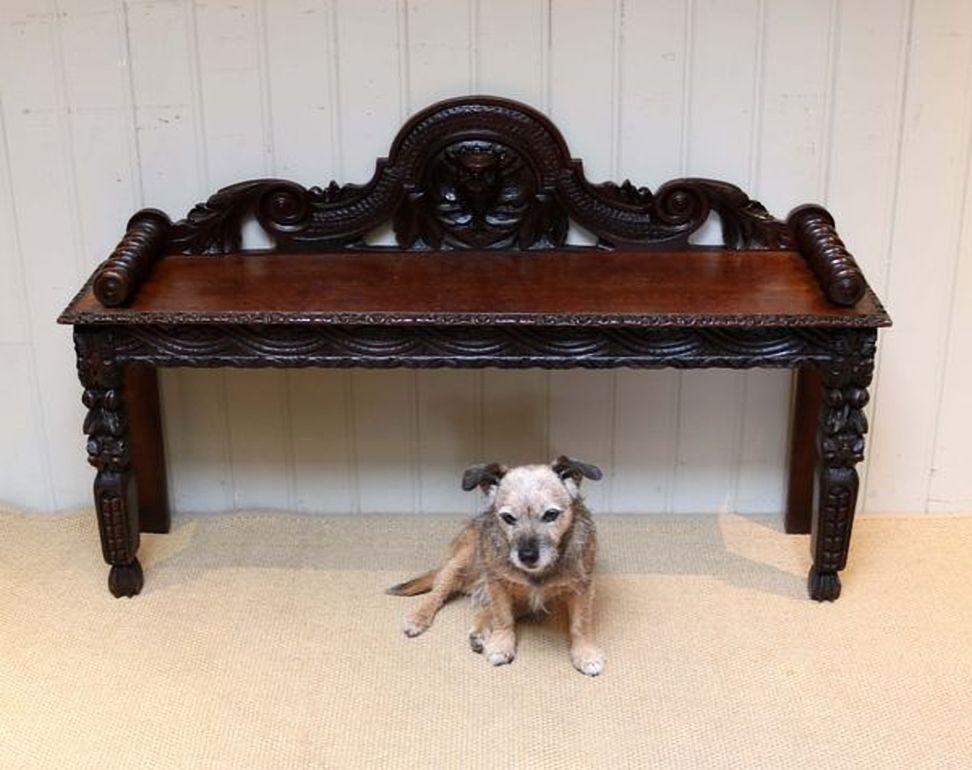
pixel 864 105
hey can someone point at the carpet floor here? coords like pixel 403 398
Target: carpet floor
pixel 265 640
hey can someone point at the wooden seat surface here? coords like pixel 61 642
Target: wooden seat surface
pixel 639 288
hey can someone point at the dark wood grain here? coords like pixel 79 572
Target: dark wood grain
pixel 552 287
pixel 147 447
pixel 803 450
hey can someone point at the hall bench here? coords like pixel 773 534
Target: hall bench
pixel 480 193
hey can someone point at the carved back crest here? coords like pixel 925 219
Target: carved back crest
pixel 476 173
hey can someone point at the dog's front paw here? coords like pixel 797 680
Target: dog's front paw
pixel 500 657
pixel 477 640
pixel 500 648
pixel 415 624
pixel 587 659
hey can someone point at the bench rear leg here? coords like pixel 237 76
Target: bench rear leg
pixel 106 425
pixel 842 426
pixel 141 391
pixel 803 450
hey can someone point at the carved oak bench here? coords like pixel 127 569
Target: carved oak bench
pixel 480 192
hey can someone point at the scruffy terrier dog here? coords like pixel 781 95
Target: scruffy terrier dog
pixel 533 545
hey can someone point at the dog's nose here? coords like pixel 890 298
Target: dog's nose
pixel 528 553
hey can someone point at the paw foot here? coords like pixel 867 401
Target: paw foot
pixel 823 586
pixel 589 661
pixel 500 657
pixel 477 640
pixel 415 625
pixel 125 579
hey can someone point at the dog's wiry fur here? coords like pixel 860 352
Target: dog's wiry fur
pixel 511 560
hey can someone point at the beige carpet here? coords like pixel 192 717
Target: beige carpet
pixel 265 641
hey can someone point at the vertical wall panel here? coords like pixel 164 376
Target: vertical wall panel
pixel 25 478
pixel 583 40
pixel 950 484
pixel 650 122
pixel 931 188
pixel 373 86
pixel 302 64
pixel 38 135
pixel 440 65
pixel 511 60
pixel 172 175
pixel 229 44
pixel 871 48
pixel 789 166
pixel 509 52
pixel 718 131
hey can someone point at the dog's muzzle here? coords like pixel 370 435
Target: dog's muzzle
pixel 528 553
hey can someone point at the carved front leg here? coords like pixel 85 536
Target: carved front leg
pixel 108 451
pixel 841 446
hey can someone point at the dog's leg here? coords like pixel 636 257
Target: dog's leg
pixel 584 654
pixel 447 581
pixel 500 647
pixel 480 628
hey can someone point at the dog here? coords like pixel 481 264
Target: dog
pixel 534 545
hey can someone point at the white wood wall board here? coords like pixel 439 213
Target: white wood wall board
pixel 515 417
pixel 321 438
pixel 932 180
pixel 511 60
pixel 581 407
pixel 791 125
pixel 197 454
pixel 370 93
pixel 583 101
pixel 302 71
pixel 449 420
pixel 385 441
pixel 950 483
pixel 233 93
pixel 304 107
pixel 172 169
pixel 39 174
pixel 373 88
pixel 260 449
pixel 448 404
pixel 652 60
pixel 24 477
pixel 719 104
pixel 14 327
pixel 509 56
pixel 872 48
pixel 160 49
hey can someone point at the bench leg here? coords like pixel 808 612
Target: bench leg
pixel 841 430
pixel 141 391
pixel 106 425
pixel 803 450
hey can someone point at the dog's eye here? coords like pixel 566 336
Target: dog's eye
pixel 509 518
pixel 550 515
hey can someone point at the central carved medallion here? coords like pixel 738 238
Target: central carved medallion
pixel 479 194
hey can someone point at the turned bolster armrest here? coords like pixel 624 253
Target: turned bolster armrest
pixel 838 274
pixel 118 277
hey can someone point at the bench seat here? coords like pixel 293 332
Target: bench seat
pixel 710 286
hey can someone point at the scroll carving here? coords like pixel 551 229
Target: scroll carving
pixel 118 277
pixel 482 173
pixel 835 268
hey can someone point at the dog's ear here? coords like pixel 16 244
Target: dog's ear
pixel 483 476
pixel 571 472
